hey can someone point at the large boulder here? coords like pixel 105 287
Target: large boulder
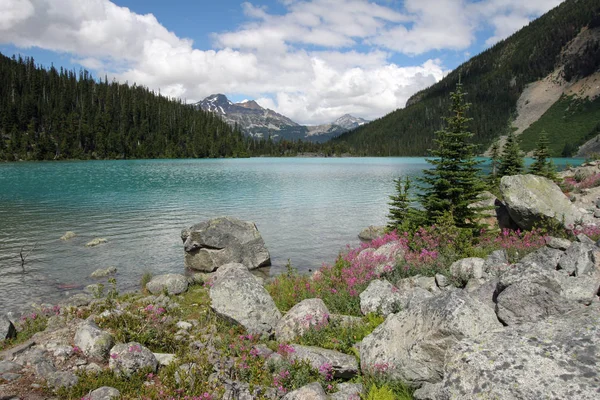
pixel 556 358
pixel 579 259
pixel 7 329
pixel 93 341
pixel 411 345
pixel 340 365
pixel 128 358
pixel 307 314
pixel 210 244
pixel 238 296
pixel 371 232
pixel 531 199
pixel 171 283
pixel 381 297
pixel 104 393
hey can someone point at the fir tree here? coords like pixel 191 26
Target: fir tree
pixel 494 163
pixel 542 165
pixel 511 161
pixel 399 205
pixel 454 182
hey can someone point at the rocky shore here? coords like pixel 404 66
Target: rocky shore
pixel 509 325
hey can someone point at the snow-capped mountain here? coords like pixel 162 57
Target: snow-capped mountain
pixel 257 121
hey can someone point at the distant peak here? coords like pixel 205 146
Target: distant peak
pixel 250 104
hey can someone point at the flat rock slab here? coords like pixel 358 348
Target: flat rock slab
pixel 210 244
pixel 170 283
pixel 342 365
pixel 236 295
pixel 558 358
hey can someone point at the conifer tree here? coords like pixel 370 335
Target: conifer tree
pixel 511 161
pixel 542 165
pixel 399 205
pixel 494 163
pixel 454 182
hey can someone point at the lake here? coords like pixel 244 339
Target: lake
pixel 307 210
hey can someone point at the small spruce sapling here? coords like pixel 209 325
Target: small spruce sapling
pixel 542 165
pixel 511 160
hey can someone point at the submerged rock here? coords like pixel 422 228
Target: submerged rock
pixel 68 236
pixel 96 242
pixel 102 272
pixel 219 241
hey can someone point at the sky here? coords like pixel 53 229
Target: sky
pixel 311 60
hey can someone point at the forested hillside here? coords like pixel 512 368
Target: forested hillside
pixel 58 114
pixel 493 81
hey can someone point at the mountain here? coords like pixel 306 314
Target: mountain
pixel 260 122
pixel 509 86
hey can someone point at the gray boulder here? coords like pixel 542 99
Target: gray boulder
pixel 558 243
pixel 582 289
pixel 104 393
pixel 300 318
pixel 530 293
pixel 342 365
pixel 128 358
pixel 171 283
pixel 387 256
pixel 532 198
pixel 371 232
pixel 579 259
pixel 236 295
pixel 93 341
pixel 556 358
pixel 411 345
pixel 380 297
pixel 347 391
pixel 312 391
pixel 210 244
pixel 7 329
pixel 545 257
pixel 468 268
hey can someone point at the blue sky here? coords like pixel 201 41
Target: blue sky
pixel 312 60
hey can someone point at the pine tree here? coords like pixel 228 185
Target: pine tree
pixel 494 163
pixel 511 161
pixel 542 165
pixel 454 182
pixel 399 204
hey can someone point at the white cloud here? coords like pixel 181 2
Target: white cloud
pixel 316 61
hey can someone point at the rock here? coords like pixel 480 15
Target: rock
pixel 7 329
pixel 531 199
pixel 312 391
pixel 468 268
pixel 411 345
pixel 171 283
pixel 530 293
pixel 429 391
pixel 582 289
pixel 219 241
pixel 94 368
pixel 387 256
pixel 556 358
pixel 164 359
pixel 104 393
pixel 93 341
pixel 78 300
pixel 380 297
pixel 59 379
pixel 442 281
pixel 344 320
pixel 372 232
pixel 184 325
pixel 68 236
pixel 578 259
pixel 127 358
pixel 558 243
pixel 545 257
pixel 301 318
pixel 96 242
pixel 496 263
pixel 347 391
pixel 427 283
pixel 486 292
pixel 583 238
pixel 341 365
pixel 9 366
pixel 102 272
pixel 236 295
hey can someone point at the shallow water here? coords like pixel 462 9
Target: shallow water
pixel 307 209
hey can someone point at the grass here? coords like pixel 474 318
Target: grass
pixel 569 121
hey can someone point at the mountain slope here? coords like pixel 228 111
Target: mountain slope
pixel 493 81
pixel 260 122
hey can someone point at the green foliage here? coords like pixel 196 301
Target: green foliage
pixel 146 278
pixel 381 388
pixel 454 182
pixel 493 177
pixel 400 205
pixel 511 161
pixel 341 336
pixel 569 123
pixel 542 166
pixel 27 327
pixel 380 393
pixel 496 78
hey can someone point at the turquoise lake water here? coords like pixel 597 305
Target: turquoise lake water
pixel 307 210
